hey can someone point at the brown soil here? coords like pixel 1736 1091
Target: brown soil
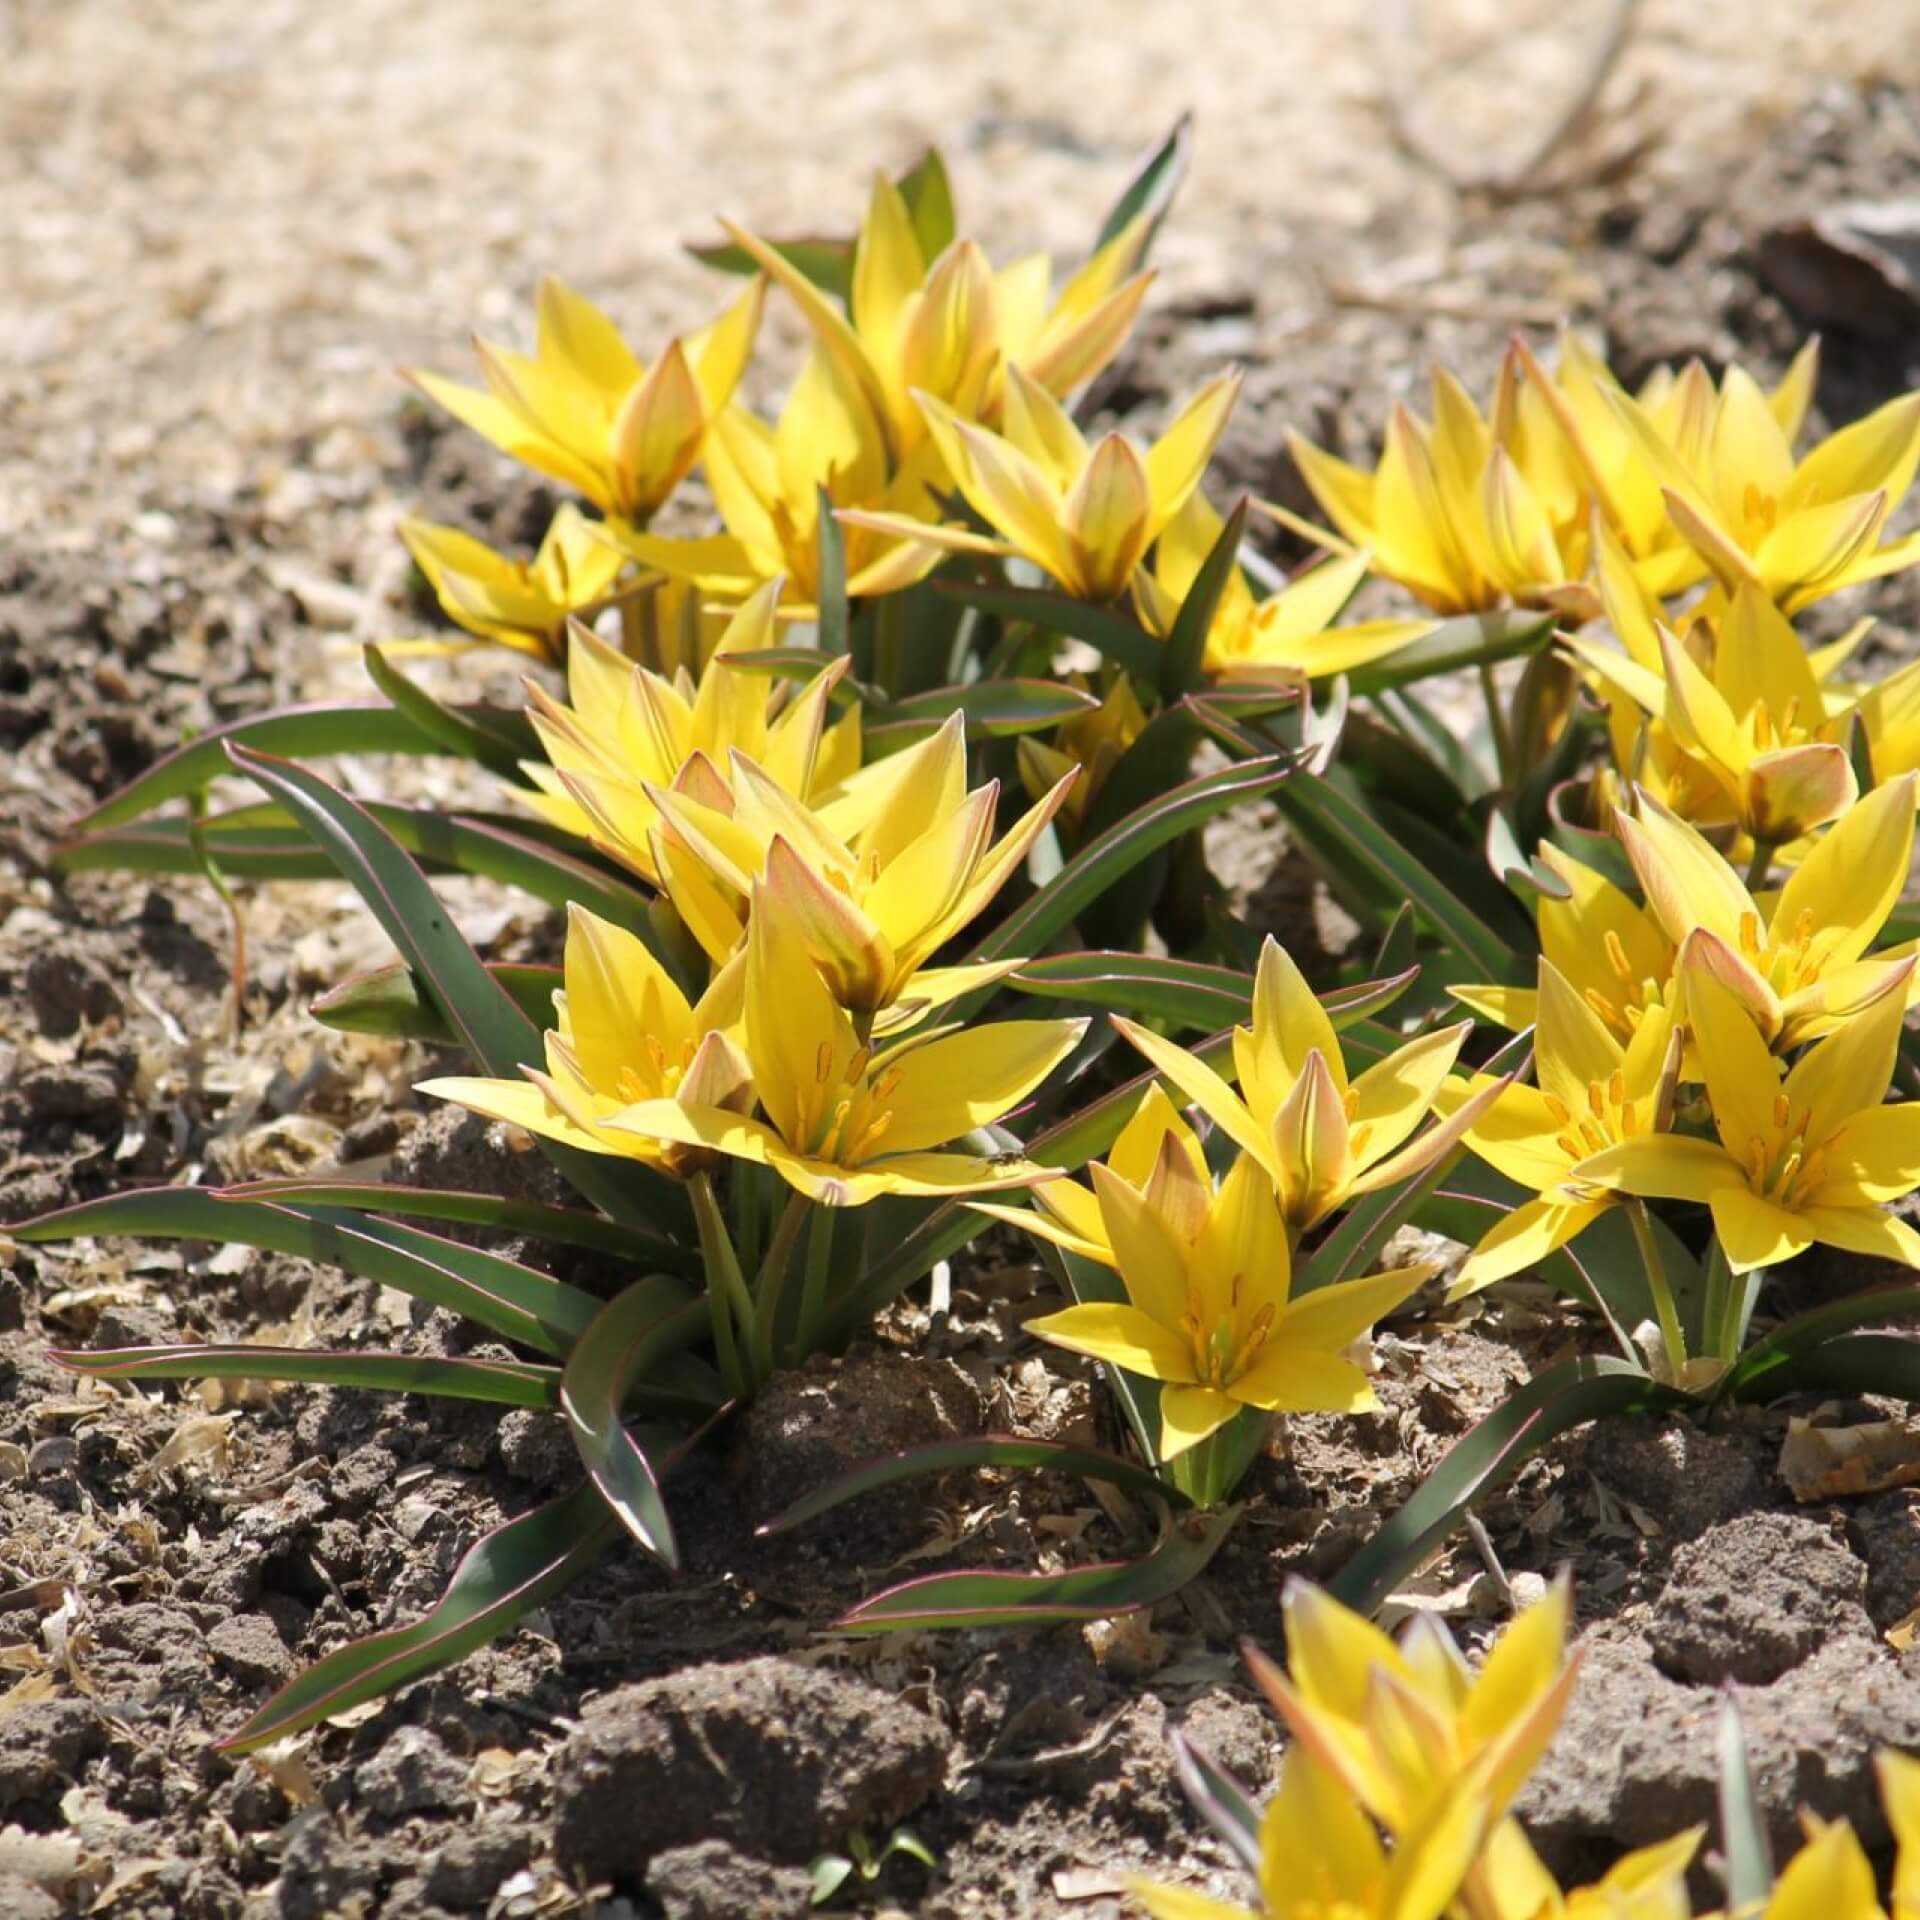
pixel 201 465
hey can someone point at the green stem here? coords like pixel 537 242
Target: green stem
pixel 813 1289
pixel 1671 1337
pixel 1210 1469
pixel 1497 724
pixel 726 1286
pixel 772 1280
pixel 1758 866
pixel 747 1214
pixel 889 633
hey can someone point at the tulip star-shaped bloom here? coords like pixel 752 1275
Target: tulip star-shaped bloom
pixel 1814 1159
pixel 1793 532
pixel 1754 716
pixel 841 1122
pixel 1593 1092
pixel 1795 959
pixel 1397 1725
pixel 1320 1858
pixel 584 410
pixel 1321 1138
pixel 624 728
pixel 1209 1311
pixel 917 863
pixel 625 1033
pixel 1085 515
pixel 951 326
pixel 1830 1878
pixel 767 483
pixel 1290 634
pixel 515 603
pixel 1615 954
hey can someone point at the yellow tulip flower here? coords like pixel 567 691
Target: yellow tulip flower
pixel 1812 1159
pixel 1753 714
pixel 515 603
pixel 767 483
pixel 875 883
pixel 1320 1858
pixel 625 1033
pixel 1321 1138
pixel 1288 635
pixel 1795 532
pixel 1615 954
pixel 1209 1312
pixel 1830 1878
pixel 1085 515
pixel 842 1123
pixel 1795 959
pixel 1900 1795
pixel 952 326
pixel 585 411
pixel 1592 1092
pixel 624 728
pixel 1397 1725
pixel 1090 744
pixel 1890 718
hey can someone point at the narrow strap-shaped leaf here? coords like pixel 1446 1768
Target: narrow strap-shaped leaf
pixel 1186 992
pixel 1471 640
pixel 1124 641
pixel 1082 1136
pixel 504 1575
pixel 827 263
pixel 630 1335
pixel 1004 1451
pixel 1743 1827
pixel 501 1294
pixel 459 733
pixel 989 1599
pixel 509 1383
pixel 994 709
pixel 500 1036
pixel 388 1001
pixel 1879 1363
pixel 1550 1404
pixel 1397 874
pixel 1353 1247
pixel 1220 1800
pixel 1183 659
pixel 1154 183
pixel 833 621
pixel 1761 1372
pixel 942 1232
pixel 569 1226
pixel 929 197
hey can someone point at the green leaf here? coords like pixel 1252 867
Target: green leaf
pixel 1550 1404
pixel 509 1383
pixel 1743 1827
pixel 458 733
pixel 501 1294
pixel 995 1450
pixel 1155 181
pixel 832 621
pixel 1183 658
pixel 826 262
pixel 335 726
pixel 1472 640
pixel 945 1228
pixel 498 1033
pixel 995 709
pixel 568 1226
pixel 1185 993
pixel 388 1001
pixel 1221 1801
pixel 1353 1247
pixel 1879 1363
pixel 986 1599
pixel 1122 639
pixel 629 1337
pixel 929 197
pixel 505 1575
pixel 1755 1375
pixel 1081 1136
pixel 1104 860
pixel 1352 835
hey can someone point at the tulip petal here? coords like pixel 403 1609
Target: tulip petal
pixel 969 1079
pixel 1123 1336
pixel 1189 1415
pixel 1755 1232
pixel 1289 1379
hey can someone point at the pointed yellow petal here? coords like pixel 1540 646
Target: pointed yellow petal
pixel 1755 1232
pixel 888 268
pixel 1150 1260
pixel 1331 1318
pixel 1848 1072
pixel 1106 517
pixel 1200 1084
pixel 1179 457
pixel 1522 1239
pixel 1854 876
pixel 969 1079
pixel 1123 1336
pixel 1663 1166
pixel 1863 1230
pixel 1686 881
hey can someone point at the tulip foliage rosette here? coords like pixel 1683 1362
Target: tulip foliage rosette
pixel 866 754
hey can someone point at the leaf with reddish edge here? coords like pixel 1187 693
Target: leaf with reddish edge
pixel 335 726
pixel 1550 1404
pixel 509 1383
pixel 1470 640
pixel 1802 1346
pixel 500 1036
pixel 1183 658
pixel 1121 638
pixel 458 733
pixel 1004 1451
pixel 988 1599
pixel 629 1336
pixel 1220 1800
pixel 499 1294
pixel 570 1226
pixel 387 1001
pixel 994 709
pixel 503 1576
pixel 1154 183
